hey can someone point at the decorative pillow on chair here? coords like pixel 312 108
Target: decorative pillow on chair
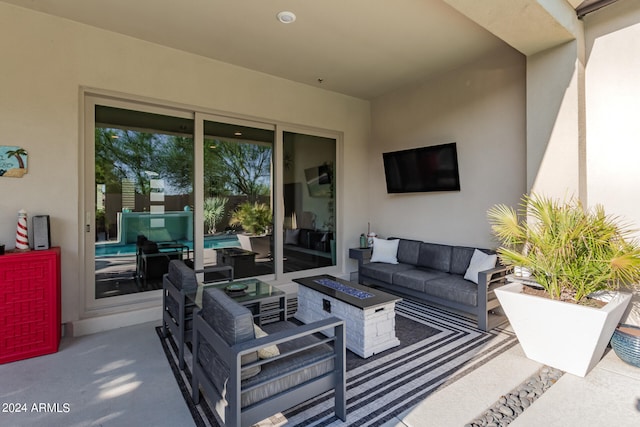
pixel 269 351
pixel 291 236
pixel 385 251
pixel 479 262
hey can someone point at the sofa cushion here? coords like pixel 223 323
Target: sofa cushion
pixel 382 272
pixel 234 323
pixel 416 278
pixel 435 256
pixel 408 251
pixel 182 277
pixel 480 261
pixel 291 236
pixel 460 258
pixel 453 288
pixel 285 373
pixel 385 251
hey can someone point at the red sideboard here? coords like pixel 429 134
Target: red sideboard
pixel 30 320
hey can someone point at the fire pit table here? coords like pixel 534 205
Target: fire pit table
pixel 369 314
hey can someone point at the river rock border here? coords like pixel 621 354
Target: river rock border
pixel 512 404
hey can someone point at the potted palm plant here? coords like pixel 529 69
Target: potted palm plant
pixel 256 220
pixel 214 209
pixel 572 254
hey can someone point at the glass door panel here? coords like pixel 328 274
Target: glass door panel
pixel 143 198
pixel 309 183
pixel 238 199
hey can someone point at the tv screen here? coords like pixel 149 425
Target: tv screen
pixel 319 181
pixel 423 169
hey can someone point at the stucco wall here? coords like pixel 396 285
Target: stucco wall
pixel 46 61
pixel 613 109
pixel 612 38
pixel 555 131
pixel 481 107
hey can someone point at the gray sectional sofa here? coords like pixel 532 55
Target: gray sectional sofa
pixel 435 273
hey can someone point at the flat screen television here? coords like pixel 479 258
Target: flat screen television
pixel 424 169
pixel 319 180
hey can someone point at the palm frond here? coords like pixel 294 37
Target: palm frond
pixel 566 247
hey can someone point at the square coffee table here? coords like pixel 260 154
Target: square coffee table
pixel 267 303
pixel 369 314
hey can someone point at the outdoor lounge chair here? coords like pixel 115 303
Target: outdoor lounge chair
pixel 179 287
pixel 152 258
pixel 245 389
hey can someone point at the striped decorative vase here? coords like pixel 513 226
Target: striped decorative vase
pixel 22 238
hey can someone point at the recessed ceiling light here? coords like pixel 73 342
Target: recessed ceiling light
pixel 286 17
pixel 238 133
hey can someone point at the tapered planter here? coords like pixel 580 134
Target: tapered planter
pixel 562 335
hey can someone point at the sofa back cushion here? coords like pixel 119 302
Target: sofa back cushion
pixel 437 257
pixel 408 251
pixel 292 237
pixel 461 257
pixel 182 277
pixel 232 321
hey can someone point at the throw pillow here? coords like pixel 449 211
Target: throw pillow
pixel 479 262
pixel 266 352
pixel 291 236
pixel 385 251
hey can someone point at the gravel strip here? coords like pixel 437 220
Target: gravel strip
pixel 512 404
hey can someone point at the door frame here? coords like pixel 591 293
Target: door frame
pixel 91 305
pixel 89 97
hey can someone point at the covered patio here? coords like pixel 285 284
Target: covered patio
pixel 122 378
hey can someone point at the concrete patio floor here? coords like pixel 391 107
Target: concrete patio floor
pixel 608 396
pixel 121 378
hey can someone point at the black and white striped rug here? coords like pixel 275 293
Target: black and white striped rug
pixel 437 348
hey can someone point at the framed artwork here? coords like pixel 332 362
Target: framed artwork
pixel 13 161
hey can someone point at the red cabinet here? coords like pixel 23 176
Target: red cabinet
pixel 29 304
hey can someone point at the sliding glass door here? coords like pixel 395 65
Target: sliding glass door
pixel 143 198
pixel 237 197
pixel 164 183
pixel 309 192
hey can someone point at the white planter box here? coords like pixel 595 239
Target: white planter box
pixel 565 336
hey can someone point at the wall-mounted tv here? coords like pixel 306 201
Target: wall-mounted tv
pixel 319 180
pixel 433 168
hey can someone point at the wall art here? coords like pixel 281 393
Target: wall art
pixel 13 161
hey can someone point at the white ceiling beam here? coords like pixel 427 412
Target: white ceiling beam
pixel 529 26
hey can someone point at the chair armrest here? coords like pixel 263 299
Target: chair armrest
pixel 362 255
pixel 146 256
pixel 338 354
pixel 203 332
pixel 179 296
pixel 289 335
pixel 492 278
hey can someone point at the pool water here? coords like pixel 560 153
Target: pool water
pixel 115 249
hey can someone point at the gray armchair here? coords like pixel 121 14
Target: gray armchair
pixel 245 388
pixel 178 285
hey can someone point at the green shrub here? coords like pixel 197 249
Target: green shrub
pixel 255 218
pixel 570 251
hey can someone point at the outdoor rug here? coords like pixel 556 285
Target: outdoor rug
pixel 437 348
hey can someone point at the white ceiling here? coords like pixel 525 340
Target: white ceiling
pixel 362 48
